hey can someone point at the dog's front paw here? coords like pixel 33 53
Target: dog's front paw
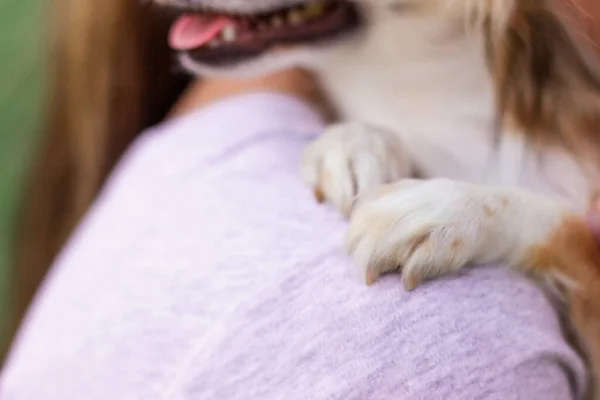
pixel 426 228
pixel 352 159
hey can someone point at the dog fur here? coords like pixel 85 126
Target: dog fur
pixel 495 104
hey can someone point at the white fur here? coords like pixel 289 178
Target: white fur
pixel 423 76
pixel 425 79
pixel 432 227
pixel 354 158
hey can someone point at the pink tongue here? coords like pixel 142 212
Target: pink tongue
pixel 193 30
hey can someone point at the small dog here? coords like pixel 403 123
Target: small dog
pixel 493 104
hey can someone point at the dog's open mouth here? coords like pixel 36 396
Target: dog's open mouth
pixel 218 39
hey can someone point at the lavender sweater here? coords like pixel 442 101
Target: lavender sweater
pixel 206 270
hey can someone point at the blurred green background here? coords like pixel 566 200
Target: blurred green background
pixel 21 73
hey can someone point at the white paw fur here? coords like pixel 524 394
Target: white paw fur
pixel 352 159
pixel 429 228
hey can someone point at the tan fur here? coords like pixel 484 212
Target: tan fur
pixel 547 81
pixel 572 253
pixel 548 88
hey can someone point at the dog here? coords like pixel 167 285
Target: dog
pixel 470 131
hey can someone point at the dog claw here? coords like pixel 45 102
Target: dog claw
pixel 411 282
pixel 319 196
pixel 371 278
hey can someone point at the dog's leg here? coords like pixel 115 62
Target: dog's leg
pixel 351 159
pixel 435 227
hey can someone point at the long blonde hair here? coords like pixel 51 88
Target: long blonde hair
pixel 111 76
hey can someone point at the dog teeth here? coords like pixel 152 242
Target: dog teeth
pixel 314 9
pixel 214 43
pixel 295 17
pixel 277 21
pixel 229 34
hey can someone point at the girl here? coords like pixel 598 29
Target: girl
pixel 198 271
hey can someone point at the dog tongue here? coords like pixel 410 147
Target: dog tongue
pixel 194 30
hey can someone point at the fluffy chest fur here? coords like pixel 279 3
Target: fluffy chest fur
pixel 434 90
